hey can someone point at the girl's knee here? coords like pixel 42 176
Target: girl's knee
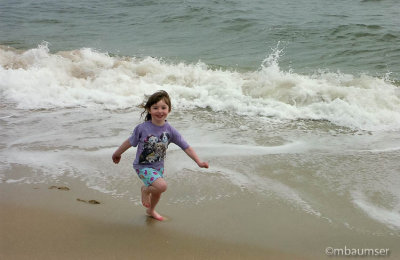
pixel 160 185
pixel 163 187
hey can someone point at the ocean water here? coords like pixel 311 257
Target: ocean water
pixel 357 37
pixel 295 102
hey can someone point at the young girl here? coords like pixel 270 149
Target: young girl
pixel 152 138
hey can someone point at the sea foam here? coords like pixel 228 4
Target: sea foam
pixel 39 79
pixel 389 217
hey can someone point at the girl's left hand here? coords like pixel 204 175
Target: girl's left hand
pixel 203 164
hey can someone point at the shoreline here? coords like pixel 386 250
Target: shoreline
pixel 40 222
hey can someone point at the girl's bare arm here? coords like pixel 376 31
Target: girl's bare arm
pixel 192 154
pixel 116 157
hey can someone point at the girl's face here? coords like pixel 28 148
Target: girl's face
pixel 159 112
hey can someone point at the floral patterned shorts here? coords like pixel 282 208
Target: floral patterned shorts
pixel 150 175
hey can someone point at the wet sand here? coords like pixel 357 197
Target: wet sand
pixel 58 222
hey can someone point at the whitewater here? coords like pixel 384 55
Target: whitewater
pixel 37 79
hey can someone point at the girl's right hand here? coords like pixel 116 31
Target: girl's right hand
pixel 116 158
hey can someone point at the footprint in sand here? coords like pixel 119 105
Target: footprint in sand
pixel 59 188
pixel 94 202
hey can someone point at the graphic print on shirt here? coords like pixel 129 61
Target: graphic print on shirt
pixel 155 148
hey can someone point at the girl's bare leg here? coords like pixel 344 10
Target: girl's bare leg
pixel 155 190
pixel 146 195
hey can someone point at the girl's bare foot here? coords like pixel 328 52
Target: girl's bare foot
pixel 145 197
pixel 154 214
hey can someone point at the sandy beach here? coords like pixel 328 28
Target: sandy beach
pixel 44 222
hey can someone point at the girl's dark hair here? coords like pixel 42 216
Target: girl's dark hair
pixel 154 99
